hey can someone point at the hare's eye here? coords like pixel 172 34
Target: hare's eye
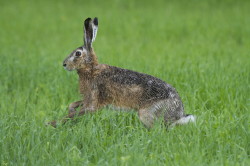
pixel 78 53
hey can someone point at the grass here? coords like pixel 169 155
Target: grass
pixel 199 47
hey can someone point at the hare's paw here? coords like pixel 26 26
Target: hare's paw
pixel 52 123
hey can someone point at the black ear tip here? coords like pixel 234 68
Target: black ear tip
pixel 87 20
pixel 95 21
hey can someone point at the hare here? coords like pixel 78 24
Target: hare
pixel 104 85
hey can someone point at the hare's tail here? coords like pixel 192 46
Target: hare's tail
pixel 184 120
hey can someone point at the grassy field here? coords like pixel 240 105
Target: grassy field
pixel 199 47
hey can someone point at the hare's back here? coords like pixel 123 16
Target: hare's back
pixel 152 88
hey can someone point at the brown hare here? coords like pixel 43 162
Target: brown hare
pixel 103 85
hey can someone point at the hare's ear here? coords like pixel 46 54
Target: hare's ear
pixel 90 31
pixel 95 28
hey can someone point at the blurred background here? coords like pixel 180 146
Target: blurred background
pixel 199 47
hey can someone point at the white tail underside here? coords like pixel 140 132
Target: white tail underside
pixel 185 120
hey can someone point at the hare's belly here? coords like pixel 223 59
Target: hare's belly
pixel 117 108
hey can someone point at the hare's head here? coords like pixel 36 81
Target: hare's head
pixel 84 55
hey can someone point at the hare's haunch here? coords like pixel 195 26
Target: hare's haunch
pixel 104 85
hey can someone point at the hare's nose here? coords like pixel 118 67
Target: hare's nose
pixel 64 65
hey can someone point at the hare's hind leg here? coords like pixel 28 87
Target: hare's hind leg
pixel 147 117
pixel 74 105
pixel 170 110
pixel 150 114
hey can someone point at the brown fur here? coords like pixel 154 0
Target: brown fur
pixel 119 95
pixel 103 85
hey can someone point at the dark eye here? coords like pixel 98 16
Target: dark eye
pixel 78 53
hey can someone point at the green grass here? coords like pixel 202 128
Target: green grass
pixel 199 47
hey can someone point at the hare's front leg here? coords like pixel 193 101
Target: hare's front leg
pixel 74 114
pixel 74 105
pixel 89 105
pixel 72 110
pixel 83 111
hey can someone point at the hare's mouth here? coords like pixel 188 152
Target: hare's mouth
pixel 69 69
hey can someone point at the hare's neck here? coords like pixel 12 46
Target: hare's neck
pixel 85 73
pixel 85 79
